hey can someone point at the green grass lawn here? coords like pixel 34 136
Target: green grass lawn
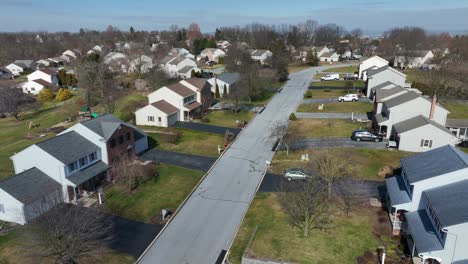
pixel 457 109
pixel 350 237
pixel 414 76
pixel 191 142
pixel 345 107
pixel 309 128
pixel 337 84
pixel 317 94
pixel 228 118
pixel 165 192
pixel 297 67
pixel 346 69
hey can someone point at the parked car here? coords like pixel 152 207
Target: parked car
pixel 295 174
pixel 364 135
pixel 351 77
pixel 331 77
pixel 348 98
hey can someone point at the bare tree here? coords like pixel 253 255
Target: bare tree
pixel 131 173
pixel 330 166
pixel 286 135
pixel 306 204
pixel 67 234
pixel 13 101
pixel 156 78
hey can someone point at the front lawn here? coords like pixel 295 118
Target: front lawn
pixel 297 66
pixel 228 118
pixel 190 141
pixel 345 107
pixel 319 94
pixel 457 109
pixel 359 84
pixel 166 191
pixel 310 128
pixel 350 237
pixel 346 69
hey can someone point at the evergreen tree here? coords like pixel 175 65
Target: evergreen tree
pixel 193 74
pixel 217 91
pixel 132 30
pixel 224 91
pixel 45 95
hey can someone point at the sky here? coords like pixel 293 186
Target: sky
pixel 372 16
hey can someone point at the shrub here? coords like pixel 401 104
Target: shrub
pixel 45 95
pixel 205 119
pixel 292 117
pixel 173 137
pixel 308 94
pixel 63 94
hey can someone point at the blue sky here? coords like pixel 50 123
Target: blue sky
pixel 371 16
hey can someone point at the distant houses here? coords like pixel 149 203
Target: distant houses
pixel 211 54
pixel 413 59
pixel 38 80
pixel 224 82
pixel 178 67
pixel 261 55
pixel 19 66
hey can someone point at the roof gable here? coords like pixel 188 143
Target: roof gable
pixel 401 99
pixel 417 122
pixel 165 107
pixel 373 72
pixel 180 89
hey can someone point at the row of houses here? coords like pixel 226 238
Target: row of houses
pixel 402 114
pixel 67 167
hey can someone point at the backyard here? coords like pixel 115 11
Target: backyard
pixel 345 69
pixel 345 107
pixel 310 128
pixel 228 118
pixel 457 109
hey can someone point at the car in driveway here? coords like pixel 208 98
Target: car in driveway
pixel 364 135
pixel 331 77
pixel 295 174
pixel 348 98
pixel 351 77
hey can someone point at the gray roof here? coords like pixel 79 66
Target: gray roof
pixel 450 203
pixel 433 163
pixel 24 63
pixel 29 185
pixel 372 72
pixel 167 59
pixel 68 147
pixel 328 54
pixel 380 118
pixel 423 232
pixel 229 78
pixel 397 191
pixel 392 89
pixel 88 173
pixel 259 52
pixel 456 123
pixel 401 99
pixel 186 69
pixel 416 122
pixel 106 125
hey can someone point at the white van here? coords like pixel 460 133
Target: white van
pixel 331 77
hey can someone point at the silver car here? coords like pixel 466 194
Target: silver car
pixel 295 174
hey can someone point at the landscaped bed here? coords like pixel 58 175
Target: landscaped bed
pixel 344 107
pixel 228 118
pixel 309 128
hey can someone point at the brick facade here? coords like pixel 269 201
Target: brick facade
pixel 121 143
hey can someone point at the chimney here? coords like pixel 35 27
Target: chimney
pixel 433 107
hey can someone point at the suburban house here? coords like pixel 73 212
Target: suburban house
pixel 413 59
pixel 19 66
pixel 181 101
pixel 350 55
pixel 44 63
pixel 5 74
pixel 329 57
pixel 381 75
pixel 223 44
pixel 212 54
pixel 224 82
pixel 117 61
pixel 58 61
pixel 39 80
pixel 178 67
pixel 142 64
pixel 181 52
pixel 386 91
pixel 261 55
pixel 72 53
pixel 321 50
pixel 427 203
pixel 67 167
pixel 373 62
pixel 458 127
pixel 96 50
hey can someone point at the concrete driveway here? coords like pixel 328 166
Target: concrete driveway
pixel 180 159
pixel 206 224
pixel 334 142
pixel 207 128
pixel 331 115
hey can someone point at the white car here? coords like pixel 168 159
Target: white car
pixel 295 174
pixel 348 98
pixel 331 77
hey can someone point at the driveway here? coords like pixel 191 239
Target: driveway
pixel 331 115
pixel 207 128
pixel 363 189
pixel 334 142
pixel 329 100
pixel 195 162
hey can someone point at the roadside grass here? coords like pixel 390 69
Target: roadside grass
pixel 309 128
pixel 228 118
pixel 190 142
pixel 345 107
pixel 319 94
pixel 343 84
pixel 366 164
pixel 457 109
pixel 346 69
pixel 166 191
pixel 350 237
pixel 297 66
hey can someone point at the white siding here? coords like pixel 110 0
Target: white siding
pixel 142 114
pixel 40 75
pixel 411 140
pixel 15 69
pixel 375 61
pixel 13 209
pixel 382 77
pixel 171 97
pixel 458 236
pixel 31 87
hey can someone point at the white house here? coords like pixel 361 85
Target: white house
pixel 261 55
pixel 212 54
pixel 39 80
pixel 329 57
pixel 19 66
pixel 427 203
pixel 414 59
pixel 381 75
pixel 142 63
pixel 179 66
pixel 223 44
pixel 72 53
pixel 373 62
pixel 118 62
pixel 96 49
pixel 160 113
pixel 224 82
pixel 181 52
pixel 321 50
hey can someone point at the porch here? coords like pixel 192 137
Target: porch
pixel 398 203
pixel 191 111
pixel 381 124
pixel 87 182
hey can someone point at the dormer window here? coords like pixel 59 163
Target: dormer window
pixel 93 157
pixel 189 99
pixel 83 161
pixel 72 166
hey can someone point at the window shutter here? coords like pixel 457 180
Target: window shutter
pixel 430 143
pixel 422 142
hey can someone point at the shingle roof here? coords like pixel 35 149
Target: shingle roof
pixel 167 59
pixel 197 82
pixel 229 78
pixel 401 99
pixel 186 69
pixel 180 89
pixel 328 54
pixel 397 191
pixel 457 123
pixel 433 163
pixel 165 107
pixel 88 173
pixel 416 122
pixel 42 82
pixel 423 232
pixel 29 185
pixel 68 147
pixel 450 203
pixel 387 89
pixel 178 60
pixel 106 125
pixel 192 105
pixel 24 63
pixel 372 72
pixel 259 52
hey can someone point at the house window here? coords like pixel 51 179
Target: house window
pixel 72 167
pixel 463 131
pixel 121 139
pixel 159 119
pixel 150 118
pixel 189 99
pixel 2 208
pixel 128 136
pixel 426 143
pixel 83 161
pixel 33 89
pixel 92 157
pixel 112 143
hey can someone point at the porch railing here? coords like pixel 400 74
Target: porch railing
pixel 398 224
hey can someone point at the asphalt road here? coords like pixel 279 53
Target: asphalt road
pixel 180 159
pixel 208 221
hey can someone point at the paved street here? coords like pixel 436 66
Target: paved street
pixel 330 115
pixel 207 223
pixel 335 142
pixel 180 159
